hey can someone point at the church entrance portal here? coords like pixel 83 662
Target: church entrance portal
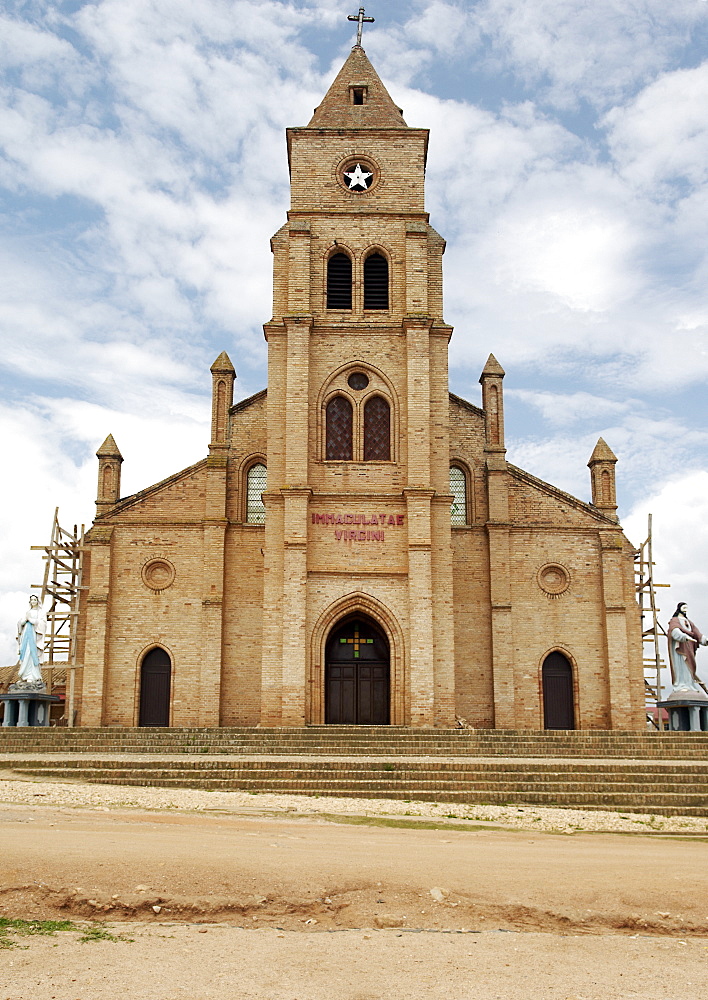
pixel 558 710
pixel 357 674
pixel 155 675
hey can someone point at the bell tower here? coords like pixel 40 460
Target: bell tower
pixel 358 505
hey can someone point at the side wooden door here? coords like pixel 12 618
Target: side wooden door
pixel 155 680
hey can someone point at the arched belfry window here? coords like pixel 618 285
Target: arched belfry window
pixel 340 429
pixel 339 281
pixel 256 483
pixel 458 488
pixel 377 430
pixel 375 282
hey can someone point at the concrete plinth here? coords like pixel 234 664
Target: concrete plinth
pixel 27 708
pixel 687 715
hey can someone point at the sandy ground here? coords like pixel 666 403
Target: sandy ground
pixel 262 902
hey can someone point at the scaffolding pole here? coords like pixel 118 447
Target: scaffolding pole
pixel 62 584
pixel 652 629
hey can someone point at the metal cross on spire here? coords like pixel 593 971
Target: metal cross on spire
pixel 362 21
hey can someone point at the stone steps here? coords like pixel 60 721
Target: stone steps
pixel 429 779
pixel 656 798
pixel 359 741
pixel 628 786
pixel 621 771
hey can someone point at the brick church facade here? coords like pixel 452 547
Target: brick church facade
pixel 355 547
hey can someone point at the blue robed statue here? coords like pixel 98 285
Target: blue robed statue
pixel 30 639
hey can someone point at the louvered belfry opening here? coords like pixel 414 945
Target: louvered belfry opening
pixel 340 430
pixel 375 282
pixel 377 430
pixel 339 281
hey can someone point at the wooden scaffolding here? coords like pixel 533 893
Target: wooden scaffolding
pixel 653 632
pixel 61 588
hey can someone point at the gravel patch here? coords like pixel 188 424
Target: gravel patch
pixel 18 791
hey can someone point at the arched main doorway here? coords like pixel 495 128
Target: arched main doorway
pixel 357 671
pixel 558 711
pixel 155 676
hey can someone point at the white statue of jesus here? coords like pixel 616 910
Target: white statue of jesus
pixel 30 640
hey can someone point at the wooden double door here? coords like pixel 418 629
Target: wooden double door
pixel 357 675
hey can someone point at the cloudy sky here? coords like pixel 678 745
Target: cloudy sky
pixel 143 170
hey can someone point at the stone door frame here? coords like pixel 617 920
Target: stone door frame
pixel 364 604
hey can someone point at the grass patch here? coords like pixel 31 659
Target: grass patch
pixel 48 928
pixel 97 932
pixel 29 927
pixel 402 822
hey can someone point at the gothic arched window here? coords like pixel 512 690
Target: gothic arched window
pixel 340 429
pixel 339 281
pixel 377 430
pixel 458 488
pixel 256 482
pixel 375 282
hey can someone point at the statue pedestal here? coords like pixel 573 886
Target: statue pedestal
pixel 686 714
pixel 27 707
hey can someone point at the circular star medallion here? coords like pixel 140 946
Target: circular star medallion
pixel 357 174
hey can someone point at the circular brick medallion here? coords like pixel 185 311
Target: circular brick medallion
pixel 553 579
pixel 158 574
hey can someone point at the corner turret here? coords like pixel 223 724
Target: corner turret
pixel 491 380
pixel 223 376
pixel 602 478
pixel 109 463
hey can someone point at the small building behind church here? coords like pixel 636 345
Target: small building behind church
pixel 355 547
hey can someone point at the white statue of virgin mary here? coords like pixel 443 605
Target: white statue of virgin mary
pixel 30 639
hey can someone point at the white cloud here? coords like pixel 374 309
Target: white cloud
pixel 662 135
pixel 47 448
pixel 564 409
pixel 598 52
pixel 680 546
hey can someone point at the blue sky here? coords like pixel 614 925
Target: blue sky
pixel 143 171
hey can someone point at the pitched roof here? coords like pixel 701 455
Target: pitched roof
pixel 109 449
pixel 337 109
pixel 492 367
pixel 222 364
pixel 602 453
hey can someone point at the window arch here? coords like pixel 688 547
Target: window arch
pixel 376 281
pixel 339 281
pixel 377 430
pixel 458 488
pixel 256 483
pixel 339 420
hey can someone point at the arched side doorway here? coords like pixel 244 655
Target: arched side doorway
pixel 357 674
pixel 155 678
pixel 558 710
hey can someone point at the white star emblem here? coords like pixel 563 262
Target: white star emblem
pixel 357 177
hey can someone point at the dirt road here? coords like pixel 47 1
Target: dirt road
pixel 303 907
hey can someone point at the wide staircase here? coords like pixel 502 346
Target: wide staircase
pixel 624 771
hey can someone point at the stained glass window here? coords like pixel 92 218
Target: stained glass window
pixel 377 430
pixel 458 488
pixel 340 436
pixel 339 282
pixel 257 482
